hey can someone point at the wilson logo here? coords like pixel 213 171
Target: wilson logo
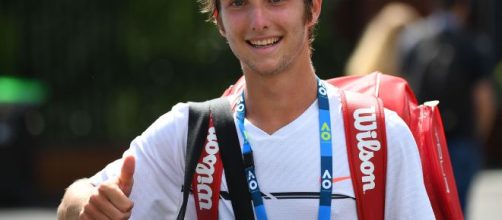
pixel 365 124
pixel 205 170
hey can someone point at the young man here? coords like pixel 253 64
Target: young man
pixel 271 39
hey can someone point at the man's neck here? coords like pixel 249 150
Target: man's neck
pixel 273 101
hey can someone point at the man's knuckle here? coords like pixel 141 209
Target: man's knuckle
pixel 94 199
pixel 129 205
pixel 117 215
pixel 86 209
pixel 83 215
pixel 103 188
pixel 125 215
pixel 125 205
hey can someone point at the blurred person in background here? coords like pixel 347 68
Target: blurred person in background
pixel 445 60
pixel 377 47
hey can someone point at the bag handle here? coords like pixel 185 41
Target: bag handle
pixel 367 151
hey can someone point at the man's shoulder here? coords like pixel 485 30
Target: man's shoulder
pixel 179 110
pixel 333 92
pixel 179 113
pixel 170 123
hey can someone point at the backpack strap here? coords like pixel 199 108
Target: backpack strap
pixel 198 124
pixel 367 151
pixel 231 156
pixel 202 117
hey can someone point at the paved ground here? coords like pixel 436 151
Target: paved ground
pixel 28 214
pixel 486 202
pixel 486 197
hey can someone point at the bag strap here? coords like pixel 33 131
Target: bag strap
pixel 231 157
pixel 367 151
pixel 198 124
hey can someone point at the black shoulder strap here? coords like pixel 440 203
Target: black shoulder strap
pixel 231 157
pixel 198 124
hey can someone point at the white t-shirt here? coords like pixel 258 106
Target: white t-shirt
pixel 287 167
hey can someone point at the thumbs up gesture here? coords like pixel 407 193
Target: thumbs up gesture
pixel 110 199
pixel 125 179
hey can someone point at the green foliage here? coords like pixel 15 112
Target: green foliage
pixel 114 66
pixel 9 40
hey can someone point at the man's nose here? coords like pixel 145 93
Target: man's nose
pixel 259 19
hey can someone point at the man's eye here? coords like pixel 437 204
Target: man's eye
pixel 275 1
pixel 237 2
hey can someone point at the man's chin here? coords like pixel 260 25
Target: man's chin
pixel 266 69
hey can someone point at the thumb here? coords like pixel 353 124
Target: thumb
pixel 126 174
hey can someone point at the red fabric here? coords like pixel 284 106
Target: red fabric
pixel 370 202
pixel 208 175
pixel 394 91
pixel 427 128
pixel 438 173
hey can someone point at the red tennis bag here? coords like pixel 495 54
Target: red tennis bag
pixel 427 127
pixel 375 91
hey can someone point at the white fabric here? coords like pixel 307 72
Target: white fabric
pixel 286 162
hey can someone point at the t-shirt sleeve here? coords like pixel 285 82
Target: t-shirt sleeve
pixel 160 162
pixel 406 196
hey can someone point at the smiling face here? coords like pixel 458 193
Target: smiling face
pixel 267 36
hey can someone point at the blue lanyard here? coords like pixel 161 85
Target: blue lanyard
pixel 326 156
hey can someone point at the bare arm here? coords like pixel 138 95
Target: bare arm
pixel 109 200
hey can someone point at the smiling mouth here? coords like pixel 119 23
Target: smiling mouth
pixel 264 43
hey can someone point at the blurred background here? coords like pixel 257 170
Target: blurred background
pixel 80 79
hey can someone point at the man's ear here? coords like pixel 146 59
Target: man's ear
pixel 316 11
pixel 221 29
pixel 219 24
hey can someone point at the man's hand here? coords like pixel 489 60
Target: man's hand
pixel 110 199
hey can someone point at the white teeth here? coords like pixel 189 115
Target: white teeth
pixel 265 42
